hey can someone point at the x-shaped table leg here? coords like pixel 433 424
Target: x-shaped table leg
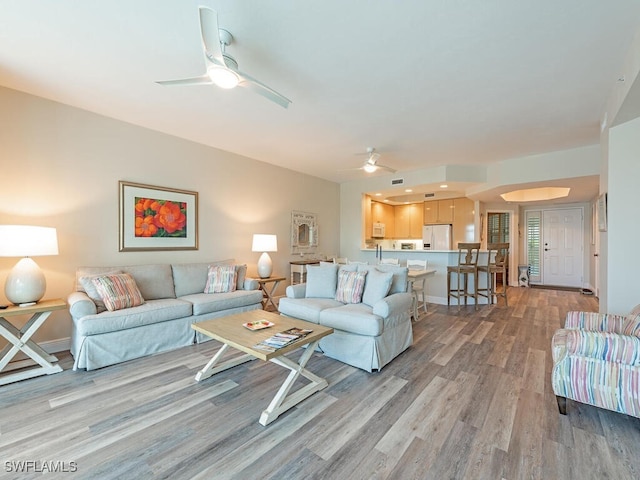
pixel 281 403
pixel 20 340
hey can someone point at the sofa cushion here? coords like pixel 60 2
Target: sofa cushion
pixel 350 286
pixel 221 279
pixel 152 311
pixel 306 308
pixel 356 318
pixel 118 291
pixel 321 281
pixel 400 274
pixel 153 281
pixel 192 277
pixel 376 287
pixel 90 289
pixel 207 302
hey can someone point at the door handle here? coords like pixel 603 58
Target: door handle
pixel 547 249
pixel 595 254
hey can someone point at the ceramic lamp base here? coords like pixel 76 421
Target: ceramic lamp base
pixel 25 283
pixel 265 265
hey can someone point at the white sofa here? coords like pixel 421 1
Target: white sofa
pixel 367 334
pixel 173 300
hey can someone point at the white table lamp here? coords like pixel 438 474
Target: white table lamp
pixel 264 243
pixel 26 284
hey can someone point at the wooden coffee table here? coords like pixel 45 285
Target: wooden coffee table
pixel 231 333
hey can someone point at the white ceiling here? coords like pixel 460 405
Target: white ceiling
pixel 426 82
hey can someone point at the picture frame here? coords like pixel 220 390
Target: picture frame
pixel 602 212
pixel 304 232
pixel 157 218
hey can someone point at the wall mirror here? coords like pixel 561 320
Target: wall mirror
pixel 304 232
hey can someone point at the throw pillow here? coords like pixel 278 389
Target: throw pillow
pixel 350 286
pixel 118 291
pixel 321 281
pixel 376 287
pixel 241 274
pixel 221 279
pixel 89 288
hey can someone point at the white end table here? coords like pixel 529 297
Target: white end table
pixel 20 340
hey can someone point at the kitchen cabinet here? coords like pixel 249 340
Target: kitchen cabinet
pixel 463 220
pixel 438 211
pixel 409 220
pixel 384 213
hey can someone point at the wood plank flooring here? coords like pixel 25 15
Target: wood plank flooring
pixel 471 399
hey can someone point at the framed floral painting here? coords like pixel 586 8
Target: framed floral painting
pixel 157 218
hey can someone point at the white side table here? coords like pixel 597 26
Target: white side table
pixel 20 340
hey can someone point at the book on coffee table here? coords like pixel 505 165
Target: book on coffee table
pixel 281 339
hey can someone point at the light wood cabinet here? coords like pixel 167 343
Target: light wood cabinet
pixel 382 213
pixel 438 211
pixel 409 220
pixel 463 220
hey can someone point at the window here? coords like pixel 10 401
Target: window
pixel 497 227
pixel 534 226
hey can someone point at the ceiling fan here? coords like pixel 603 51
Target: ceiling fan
pixel 371 163
pixel 222 68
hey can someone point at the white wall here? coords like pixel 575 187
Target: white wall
pixel 61 167
pixel 623 225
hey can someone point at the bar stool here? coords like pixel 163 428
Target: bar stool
pixel 497 262
pixel 467 265
pixel 418 287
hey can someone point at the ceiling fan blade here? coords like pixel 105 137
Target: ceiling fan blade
pixel 203 80
pixel 261 89
pixel 211 35
pixel 384 167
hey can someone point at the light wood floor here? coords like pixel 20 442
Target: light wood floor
pixel 470 399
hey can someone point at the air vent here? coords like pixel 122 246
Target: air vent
pixel 429 195
pixel 397 181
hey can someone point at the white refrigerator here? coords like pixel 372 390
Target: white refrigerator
pixel 436 237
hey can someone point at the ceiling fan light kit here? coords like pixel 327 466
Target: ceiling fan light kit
pixel 223 77
pixel 222 68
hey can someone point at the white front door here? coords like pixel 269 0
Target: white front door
pixel 562 247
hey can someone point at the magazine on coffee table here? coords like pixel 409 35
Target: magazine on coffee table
pixel 282 339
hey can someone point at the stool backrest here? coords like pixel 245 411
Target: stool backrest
pixel 417 264
pixel 468 254
pixel 390 261
pixel 498 254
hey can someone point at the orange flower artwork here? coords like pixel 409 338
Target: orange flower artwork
pixel 160 218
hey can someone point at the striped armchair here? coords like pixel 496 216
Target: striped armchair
pixel 596 360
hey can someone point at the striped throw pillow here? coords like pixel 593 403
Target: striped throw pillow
pixel 220 279
pixel 350 286
pixel 118 291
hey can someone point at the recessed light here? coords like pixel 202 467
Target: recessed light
pixel 444 185
pixel 378 194
pixel 385 200
pixel 408 190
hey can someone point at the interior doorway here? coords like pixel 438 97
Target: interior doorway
pixel 500 225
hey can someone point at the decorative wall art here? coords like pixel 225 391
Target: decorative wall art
pixel 304 232
pixel 157 218
pixel 602 212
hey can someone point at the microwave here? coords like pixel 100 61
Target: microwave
pixel 378 230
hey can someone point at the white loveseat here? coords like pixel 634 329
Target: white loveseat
pixel 173 300
pixel 369 333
